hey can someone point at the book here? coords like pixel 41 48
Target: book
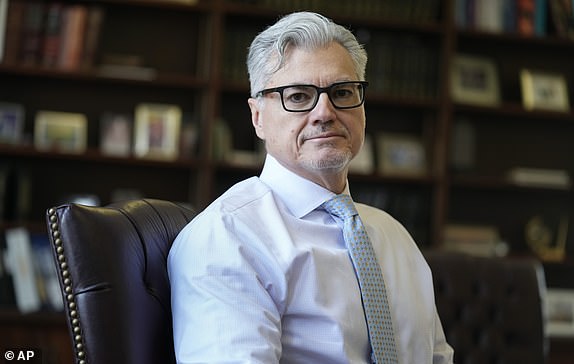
pixel 525 16
pixel 489 15
pixel 32 28
pixel 52 34
pixel 73 30
pixel 7 297
pixel 13 34
pixel 94 20
pixel 3 25
pixel 562 15
pixel 478 240
pixel 46 273
pixel 21 265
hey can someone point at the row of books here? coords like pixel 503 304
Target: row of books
pixel 404 10
pixel 525 17
pixel 399 65
pixel 408 206
pixel 28 275
pixel 50 34
pixel 15 192
pixel 402 65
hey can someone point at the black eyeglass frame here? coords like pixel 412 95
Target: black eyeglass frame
pixel 320 90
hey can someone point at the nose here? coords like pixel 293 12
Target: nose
pixel 324 111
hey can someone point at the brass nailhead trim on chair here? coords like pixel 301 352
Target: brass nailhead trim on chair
pixel 68 290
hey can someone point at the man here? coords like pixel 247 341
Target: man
pixel 263 275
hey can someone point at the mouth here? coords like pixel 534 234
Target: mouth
pixel 323 136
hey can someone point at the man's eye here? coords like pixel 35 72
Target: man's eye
pixel 298 97
pixel 342 93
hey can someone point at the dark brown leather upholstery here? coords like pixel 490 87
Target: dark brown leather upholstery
pixel 490 308
pixel 112 265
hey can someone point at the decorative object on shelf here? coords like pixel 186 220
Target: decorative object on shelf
pixel 547 236
pixel 540 177
pixel 11 123
pixel 157 130
pixel 544 91
pixel 401 155
pixel 474 239
pixel 60 131
pixel 364 162
pixel 116 134
pixel 474 80
pixel 560 312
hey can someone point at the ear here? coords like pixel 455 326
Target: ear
pixel 256 120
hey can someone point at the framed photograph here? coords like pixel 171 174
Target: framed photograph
pixel 11 123
pixel 544 91
pixel 157 130
pixel 401 155
pixel 116 134
pixel 560 312
pixel 61 131
pixel 474 80
pixel 364 162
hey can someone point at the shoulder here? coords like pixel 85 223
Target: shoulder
pixel 373 215
pixel 237 209
pixel 384 226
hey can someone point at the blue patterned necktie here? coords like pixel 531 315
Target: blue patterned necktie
pixel 370 279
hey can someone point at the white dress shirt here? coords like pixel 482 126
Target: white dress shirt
pixel 262 275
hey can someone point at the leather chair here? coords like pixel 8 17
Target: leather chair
pixel 112 264
pixel 490 308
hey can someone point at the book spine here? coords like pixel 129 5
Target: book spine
pixel 93 26
pixel 72 37
pixel 3 25
pixel 525 17
pixel 32 33
pixel 12 41
pixel 52 35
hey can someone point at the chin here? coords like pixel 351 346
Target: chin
pixel 334 162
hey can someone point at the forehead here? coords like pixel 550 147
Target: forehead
pixel 321 66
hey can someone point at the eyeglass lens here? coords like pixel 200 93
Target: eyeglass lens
pixel 342 95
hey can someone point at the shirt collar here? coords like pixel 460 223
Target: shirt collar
pixel 298 194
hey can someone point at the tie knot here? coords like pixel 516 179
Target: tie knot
pixel 341 206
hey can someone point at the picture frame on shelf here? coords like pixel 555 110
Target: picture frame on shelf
pixel 401 155
pixel 559 305
pixel 11 123
pixel 474 80
pixel 364 161
pixel 60 131
pixel 544 91
pixel 157 131
pixel 547 236
pixel 116 134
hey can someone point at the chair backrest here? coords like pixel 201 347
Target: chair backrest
pixel 491 308
pixel 112 264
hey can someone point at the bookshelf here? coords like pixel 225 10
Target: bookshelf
pixel 191 54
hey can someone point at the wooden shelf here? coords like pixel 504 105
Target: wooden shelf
pixel 189 48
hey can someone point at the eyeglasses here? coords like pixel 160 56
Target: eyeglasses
pixel 301 98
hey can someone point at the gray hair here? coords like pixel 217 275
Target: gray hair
pixel 305 30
